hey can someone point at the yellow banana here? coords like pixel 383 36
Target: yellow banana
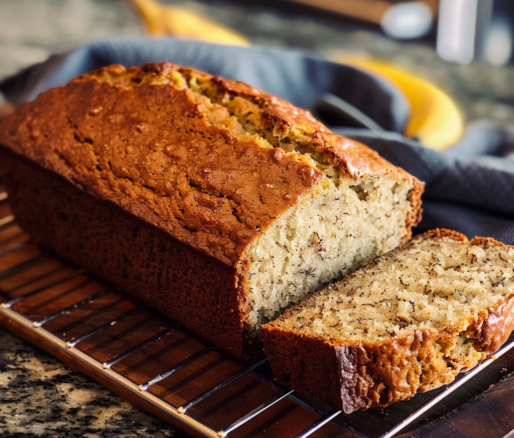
pixel 435 118
pixel 162 20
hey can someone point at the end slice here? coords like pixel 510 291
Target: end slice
pixel 407 322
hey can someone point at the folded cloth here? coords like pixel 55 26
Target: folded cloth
pixel 468 187
pixel 293 76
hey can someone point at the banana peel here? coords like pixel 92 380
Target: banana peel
pixel 435 119
pixel 162 20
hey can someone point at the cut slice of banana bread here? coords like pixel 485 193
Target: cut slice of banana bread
pixel 213 201
pixel 407 322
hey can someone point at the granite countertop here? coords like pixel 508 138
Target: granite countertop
pixel 40 396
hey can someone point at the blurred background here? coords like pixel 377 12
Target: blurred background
pixel 451 58
pixel 463 47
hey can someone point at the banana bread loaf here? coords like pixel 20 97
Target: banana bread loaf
pixel 213 201
pixel 407 322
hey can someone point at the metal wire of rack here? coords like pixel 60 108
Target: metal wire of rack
pixel 48 299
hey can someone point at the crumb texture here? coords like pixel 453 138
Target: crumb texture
pixel 327 235
pixel 432 283
pixel 406 322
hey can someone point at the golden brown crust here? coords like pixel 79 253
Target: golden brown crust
pixel 391 371
pixel 415 212
pixel 304 363
pixel 284 119
pixel 368 375
pixel 442 232
pixel 485 241
pixel 140 138
pixel 151 151
pixel 350 157
pixel 277 115
pixel 197 290
pixel 378 374
pixel 490 333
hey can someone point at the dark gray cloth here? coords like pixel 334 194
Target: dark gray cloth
pixel 294 76
pixel 469 187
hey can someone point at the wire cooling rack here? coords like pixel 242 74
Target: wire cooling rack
pixel 168 369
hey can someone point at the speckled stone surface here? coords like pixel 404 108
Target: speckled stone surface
pixel 40 396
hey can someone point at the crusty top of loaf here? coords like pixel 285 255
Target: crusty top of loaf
pixel 168 150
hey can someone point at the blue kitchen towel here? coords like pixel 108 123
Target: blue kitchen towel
pixel 295 77
pixel 469 187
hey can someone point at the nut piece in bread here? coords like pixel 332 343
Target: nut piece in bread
pixel 241 203
pixel 407 322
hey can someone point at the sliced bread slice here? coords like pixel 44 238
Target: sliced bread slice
pixel 407 322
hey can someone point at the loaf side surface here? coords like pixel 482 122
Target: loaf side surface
pixel 187 285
